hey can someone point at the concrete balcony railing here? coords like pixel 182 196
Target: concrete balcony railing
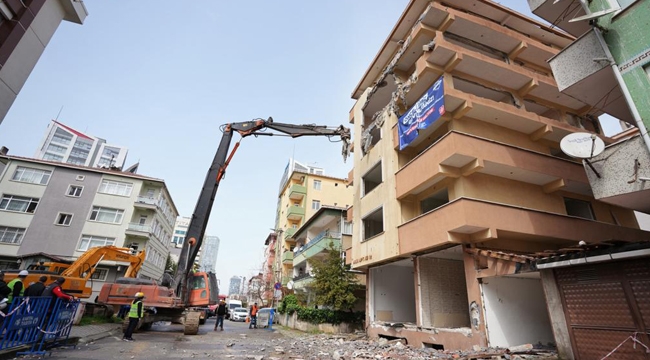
pixel 295 212
pixel 458 154
pixel 135 229
pixel 297 192
pixel 583 72
pixel 289 233
pixel 287 257
pixel 146 201
pixel 465 220
pixel 317 245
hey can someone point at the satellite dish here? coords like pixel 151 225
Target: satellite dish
pixel 582 145
pixel 290 285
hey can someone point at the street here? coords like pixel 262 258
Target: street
pixel 165 341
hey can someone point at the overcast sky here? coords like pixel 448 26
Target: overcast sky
pixel 160 77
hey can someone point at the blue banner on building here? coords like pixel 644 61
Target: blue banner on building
pixel 429 108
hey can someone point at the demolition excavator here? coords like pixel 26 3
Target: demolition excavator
pixel 184 297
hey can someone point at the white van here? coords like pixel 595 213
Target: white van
pixel 231 305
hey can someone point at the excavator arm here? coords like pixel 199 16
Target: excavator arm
pixel 85 265
pixel 199 221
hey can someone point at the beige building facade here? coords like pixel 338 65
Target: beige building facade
pixel 448 228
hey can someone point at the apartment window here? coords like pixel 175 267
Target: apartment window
pixel 115 188
pixel 64 219
pixel 82 144
pixel 143 219
pixel 52 157
pixel 76 161
pixel 74 190
pixel 434 201
pixel 57 149
pixel 31 175
pixel 372 179
pixel 61 137
pixel 347 227
pixel 317 184
pixel 100 274
pixel 107 215
pixel 315 204
pixel 579 208
pixel 18 203
pixel 11 235
pixel 89 241
pixel 373 224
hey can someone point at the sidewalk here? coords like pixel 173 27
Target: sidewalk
pixel 89 333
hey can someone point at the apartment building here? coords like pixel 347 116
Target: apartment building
pixel 26 28
pixel 607 67
pixel 58 209
pixel 462 183
pixel 236 285
pixel 64 144
pixel 303 191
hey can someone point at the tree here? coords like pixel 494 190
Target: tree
pixel 333 284
pixel 171 265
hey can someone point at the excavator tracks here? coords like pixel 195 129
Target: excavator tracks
pixel 192 323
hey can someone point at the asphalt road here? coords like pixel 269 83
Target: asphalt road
pixel 166 341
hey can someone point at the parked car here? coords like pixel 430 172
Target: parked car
pixel 239 314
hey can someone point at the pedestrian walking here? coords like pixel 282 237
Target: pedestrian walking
pixel 16 285
pixel 37 288
pixel 135 314
pixel 253 312
pixel 221 314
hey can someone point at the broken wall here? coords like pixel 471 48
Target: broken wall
pixel 393 294
pixel 443 293
pixel 516 312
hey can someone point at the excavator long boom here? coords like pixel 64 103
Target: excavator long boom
pixel 86 264
pixel 199 220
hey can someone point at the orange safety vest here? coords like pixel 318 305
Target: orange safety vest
pixel 253 310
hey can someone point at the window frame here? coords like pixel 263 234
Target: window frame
pixel 319 183
pixel 586 202
pixel 30 200
pixel 91 238
pixel 49 175
pixel 317 203
pixel 3 231
pixel 58 218
pixel 106 182
pixel 80 187
pixel 100 208
pixel 98 271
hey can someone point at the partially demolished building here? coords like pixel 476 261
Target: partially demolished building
pixel 462 183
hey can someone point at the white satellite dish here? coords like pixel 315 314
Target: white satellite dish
pixel 290 285
pixel 582 145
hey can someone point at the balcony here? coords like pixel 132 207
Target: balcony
pixel 617 185
pixel 582 71
pixel 317 245
pixel 139 230
pixel 496 225
pixel 297 192
pixel 289 233
pixel 144 202
pixel 457 154
pixel 301 281
pixel 559 15
pixel 287 257
pixel 75 11
pixel 295 213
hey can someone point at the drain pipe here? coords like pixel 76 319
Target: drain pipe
pixel 624 90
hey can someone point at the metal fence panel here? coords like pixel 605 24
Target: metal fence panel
pixel 20 324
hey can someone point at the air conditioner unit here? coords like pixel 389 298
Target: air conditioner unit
pixel 81 177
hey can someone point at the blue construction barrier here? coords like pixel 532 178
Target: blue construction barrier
pixel 55 329
pixel 21 321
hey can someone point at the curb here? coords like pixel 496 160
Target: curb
pixel 94 337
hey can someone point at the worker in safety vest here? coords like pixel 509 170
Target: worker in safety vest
pixel 135 314
pixel 16 285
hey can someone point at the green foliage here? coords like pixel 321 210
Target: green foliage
pixel 333 284
pixel 288 305
pixel 327 316
pixel 170 264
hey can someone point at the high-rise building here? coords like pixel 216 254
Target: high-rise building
pixel 26 28
pixel 51 210
pixel 464 192
pixel 235 287
pixel 62 143
pixel 209 252
pixel 303 190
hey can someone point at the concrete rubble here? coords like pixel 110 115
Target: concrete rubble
pixel 359 346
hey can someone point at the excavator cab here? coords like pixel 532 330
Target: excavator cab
pixel 204 290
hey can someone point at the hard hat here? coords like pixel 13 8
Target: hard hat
pixel 139 294
pixel 23 273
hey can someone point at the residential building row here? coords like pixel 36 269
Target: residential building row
pixel 51 210
pixel 472 225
